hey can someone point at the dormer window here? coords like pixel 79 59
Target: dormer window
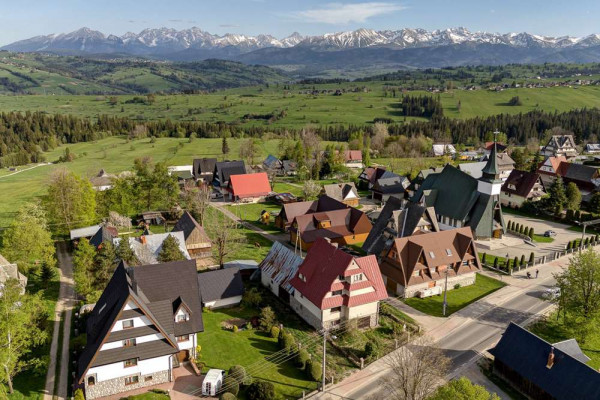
pixel 431 254
pixel 182 317
pixel 357 278
pixel 448 252
pixel 342 278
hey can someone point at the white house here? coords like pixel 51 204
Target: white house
pixel 144 325
pixel 443 149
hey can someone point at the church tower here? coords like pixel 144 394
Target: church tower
pixel 489 185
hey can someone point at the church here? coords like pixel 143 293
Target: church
pixel 460 200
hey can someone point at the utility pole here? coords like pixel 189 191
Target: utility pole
pixel 324 356
pixel 445 294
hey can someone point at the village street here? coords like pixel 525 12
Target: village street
pixel 465 335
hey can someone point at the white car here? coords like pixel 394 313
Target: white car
pixel 551 293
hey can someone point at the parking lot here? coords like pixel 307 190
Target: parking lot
pixel 516 248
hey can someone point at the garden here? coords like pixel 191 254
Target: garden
pixel 457 298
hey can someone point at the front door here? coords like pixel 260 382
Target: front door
pixel 183 355
pixel 391 286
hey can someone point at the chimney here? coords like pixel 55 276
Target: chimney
pixel 550 358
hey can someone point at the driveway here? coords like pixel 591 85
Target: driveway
pixel 518 248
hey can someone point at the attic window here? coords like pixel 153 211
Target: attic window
pixel 431 254
pixel 128 324
pixel 448 252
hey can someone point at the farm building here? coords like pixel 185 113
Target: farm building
pixel 277 269
pixel 221 288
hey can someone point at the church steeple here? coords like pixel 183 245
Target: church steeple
pixel 491 172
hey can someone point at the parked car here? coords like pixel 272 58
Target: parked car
pixel 549 234
pixel 551 293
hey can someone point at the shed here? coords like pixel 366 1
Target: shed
pixel 221 288
pixel 86 232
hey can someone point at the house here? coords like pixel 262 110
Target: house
pixel 353 158
pixel 370 175
pixel 181 170
pixel 290 167
pixel 331 287
pixel 396 220
pixel 197 242
pixel 203 169
pixel 102 181
pixel 249 187
pixel 104 234
pixel 587 178
pixel 147 247
pixel 389 185
pixel 441 149
pixel 143 326
pixel 224 169
pixel 560 146
pixel 521 186
pixel 291 210
pixel 10 271
pixel 85 232
pixel 542 370
pixel 347 226
pixel 221 288
pixel 415 264
pixel 592 148
pixel 273 164
pixel 343 192
pixel 277 270
pixel 461 200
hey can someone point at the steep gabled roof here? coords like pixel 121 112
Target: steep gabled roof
pixel 220 284
pixel 353 155
pixel 522 181
pixel 345 222
pixel 371 174
pixel 250 185
pixel 147 247
pixel 580 172
pixel 391 183
pixel 272 162
pixel 204 166
pixel 324 203
pixel 224 169
pixel 339 191
pixel 104 234
pixel 281 265
pixel 527 355
pixel 187 224
pixel 323 264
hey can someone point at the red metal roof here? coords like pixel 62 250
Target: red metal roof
pixel 323 264
pixel 353 155
pixel 249 185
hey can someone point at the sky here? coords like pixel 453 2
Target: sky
pixel 26 18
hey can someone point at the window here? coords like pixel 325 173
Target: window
pixel 465 263
pixel 448 252
pixel 336 293
pixel 357 278
pixel 91 381
pixel 335 309
pixel 131 380
pixel 132 362
pixel 183 338
pixel 148 378
pixel 431 254
pixel 342 278
pixel 128 324
pixel 416 273
pixel 182 317
pixel 129 342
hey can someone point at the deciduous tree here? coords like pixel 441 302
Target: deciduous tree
pixel 83 267
pixel 462 389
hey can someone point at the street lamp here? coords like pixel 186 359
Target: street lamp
pixel 445 305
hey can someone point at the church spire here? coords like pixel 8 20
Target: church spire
pixel 491 172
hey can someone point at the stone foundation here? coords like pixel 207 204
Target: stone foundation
pixel 117 385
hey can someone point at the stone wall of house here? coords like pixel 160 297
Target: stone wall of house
pixel 462 280
pixel 305 313
pixel 117 385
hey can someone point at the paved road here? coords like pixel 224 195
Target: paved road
pixel 63 309
pixel 465 335
pixel 23 170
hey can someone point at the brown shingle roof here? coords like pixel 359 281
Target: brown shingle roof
pixel 523 182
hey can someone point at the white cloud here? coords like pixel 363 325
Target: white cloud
pixel 339 13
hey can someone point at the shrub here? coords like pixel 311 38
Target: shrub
pixel 260 390
pixel 371 350
pixel 248 325
pixel 79 395
pixel 315 370
pixel 586 241
pixel 231 385
pixel 517 227
pixel 457 286
pixel 515 261
pixel 515 101
pixel 484 258
pixel 531 258
pixel 530 233
pixel 289 343
pixel 159 391
pixel 509 225
pixel 522 260
pixel 235 329
pixel 496 262
pixel 280 338
pixel 227 396
pixel 238 372
pixel 267 318
pixel 302 358
pixel 252 298
pixel 274 332
pixel 569 245
pixel 522 229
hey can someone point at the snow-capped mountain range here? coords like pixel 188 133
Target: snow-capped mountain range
pixel 165 40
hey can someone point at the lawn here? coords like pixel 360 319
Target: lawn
pixel 251 214
pixel 223 348
pixel 542 238
pixel 282 187
pixel 553 330
pixel 457 298
pixel 149 396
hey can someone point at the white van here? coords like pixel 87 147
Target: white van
pixel 213 380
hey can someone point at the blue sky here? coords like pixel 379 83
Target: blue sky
pixel 25 18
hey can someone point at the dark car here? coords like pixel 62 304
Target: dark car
pixel 549 234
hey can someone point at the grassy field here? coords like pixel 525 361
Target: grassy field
pixel 251 213
pixel 457 298
pixel 355 107
pixel 554 331
pixel 222 349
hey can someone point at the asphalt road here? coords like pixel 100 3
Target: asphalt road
pixel 464 344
